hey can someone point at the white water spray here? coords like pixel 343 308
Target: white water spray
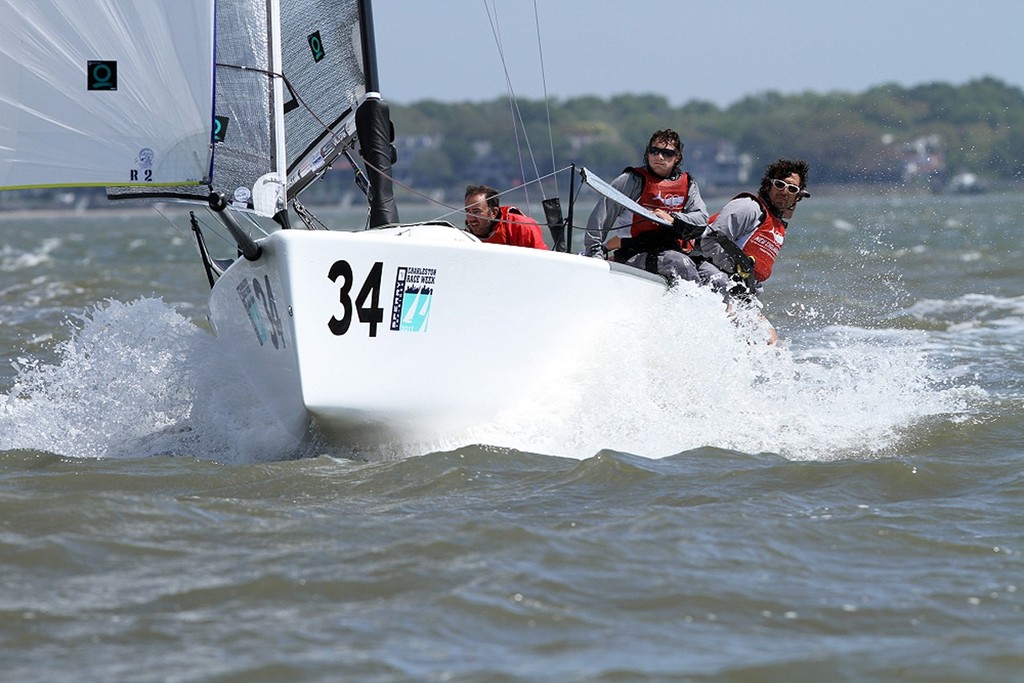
pixel 139 379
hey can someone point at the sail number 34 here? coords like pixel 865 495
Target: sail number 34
pixel 367 301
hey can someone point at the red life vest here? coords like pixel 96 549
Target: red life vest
pixel 765 242
pixel 659 193
pixel 516 228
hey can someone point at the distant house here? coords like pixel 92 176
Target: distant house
pixel 408 148
pixel 489 167
pixel 716 164
pixel 923 159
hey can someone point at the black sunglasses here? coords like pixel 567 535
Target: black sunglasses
pixel 666 152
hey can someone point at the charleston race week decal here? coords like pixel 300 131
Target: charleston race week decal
pixel 414 292
pixel 360 299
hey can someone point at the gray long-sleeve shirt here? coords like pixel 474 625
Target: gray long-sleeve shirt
pixel 737 221
pixel 609 218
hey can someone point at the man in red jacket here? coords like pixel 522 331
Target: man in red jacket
pixel 499 224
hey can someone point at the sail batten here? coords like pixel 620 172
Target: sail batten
pixel 105 92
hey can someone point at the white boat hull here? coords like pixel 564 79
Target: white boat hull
pixel 403 332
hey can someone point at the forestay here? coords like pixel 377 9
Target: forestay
pixel 105 92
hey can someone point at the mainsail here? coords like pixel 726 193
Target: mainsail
pixel 289 78
pixel 105 92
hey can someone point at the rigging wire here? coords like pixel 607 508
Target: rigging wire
pixel 453 210
pixel 517 116
pixel 459 210
pixel 544 83
pixel 493 20
pixel 307 217
pixel 215 228
pixel 291 91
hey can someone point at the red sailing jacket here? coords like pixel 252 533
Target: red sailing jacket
pixel 516 228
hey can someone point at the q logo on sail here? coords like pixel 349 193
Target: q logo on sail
pixel 316 46
pixel 102 75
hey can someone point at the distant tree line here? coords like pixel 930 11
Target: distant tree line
pixel 846 137
pixel 887 135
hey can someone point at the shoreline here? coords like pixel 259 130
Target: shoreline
pixel 717 193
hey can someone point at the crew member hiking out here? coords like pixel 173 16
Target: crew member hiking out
pixel 737 251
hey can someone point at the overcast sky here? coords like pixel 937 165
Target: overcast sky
pixel 712 50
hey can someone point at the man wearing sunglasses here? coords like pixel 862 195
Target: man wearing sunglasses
pixel 742 241
pixel 660 185
pixel 744 238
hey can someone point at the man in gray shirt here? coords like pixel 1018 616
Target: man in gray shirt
pixel 660 185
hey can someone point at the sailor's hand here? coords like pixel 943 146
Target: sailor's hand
pixel 663 215
pixel 613 243
pixel 744 266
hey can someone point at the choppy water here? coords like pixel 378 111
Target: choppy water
pixel 682 506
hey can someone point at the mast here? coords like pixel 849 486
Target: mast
pixel 269 191
pixel 369 47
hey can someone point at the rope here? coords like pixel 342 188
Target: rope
pixel 292 91
pixel 217 229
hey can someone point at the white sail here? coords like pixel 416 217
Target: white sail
pixel 105 92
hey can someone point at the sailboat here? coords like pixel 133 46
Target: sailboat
pixel 378 332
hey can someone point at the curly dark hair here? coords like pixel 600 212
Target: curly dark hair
pixel 782 169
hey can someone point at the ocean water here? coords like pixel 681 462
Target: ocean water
pixel 683 504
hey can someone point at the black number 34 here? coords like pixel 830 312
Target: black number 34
pixel 372 314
